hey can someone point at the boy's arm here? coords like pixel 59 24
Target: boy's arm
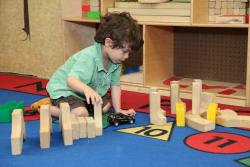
pixel 83 88
pixel 116 101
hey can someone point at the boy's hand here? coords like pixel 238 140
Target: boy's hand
pixel 92 95
pixel 127 112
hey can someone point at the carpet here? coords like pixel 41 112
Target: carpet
pixel 139 144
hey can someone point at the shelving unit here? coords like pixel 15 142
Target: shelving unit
pixel 169 48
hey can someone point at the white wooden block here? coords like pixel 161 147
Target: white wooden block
pixel 196 96
pixel 91 127
pixel 199 123
pixel 66 124
pixel 75 127
pixel 45 126
pixel 156 113
pixel 230 118
pixel 18 132
pixel 174 95
pixel 83 127
pixel 98 119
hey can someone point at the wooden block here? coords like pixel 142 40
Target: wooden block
pixel 66 124
pixel 170 5
pixel 45 126
pixel 171 19
pixel 230 118
pixel 98 119
pixel 17 132
pixel 211 112
pixel 199 123
pixel 196 96
pixel 180 114
pixel 174 95
pixel 230 19
pixel 152 1
pixel 75 127
pixel 91 127
pixel 83 127
pixel 206 100
pixel 156 113
pixel 153 12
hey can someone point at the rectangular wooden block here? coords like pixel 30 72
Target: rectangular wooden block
pixel 66 124
pixel 17 132
pixel 75 127
pixel 170 5
pixel 91 127
pixel 199 123
pixel 45 126
pixel 180 114
pixel 211 113
pixel 98 119
pixel 83 127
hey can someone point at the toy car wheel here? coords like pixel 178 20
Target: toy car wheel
pixel 116 123
pixel 131 121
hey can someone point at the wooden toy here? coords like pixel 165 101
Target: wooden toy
pixel 66 124
pixel 206 100
pixel 180 114
pixel 199 123
pixel 98 118
pixel 174 95
pixel 194 119
pixel 230 118
pixel 83 127
pixel 18 132
pixel 152 1
pixel 211 112
pixel 91 127
pixel 156 113
pixel 45 126
pixel 75 127
pixel 196 96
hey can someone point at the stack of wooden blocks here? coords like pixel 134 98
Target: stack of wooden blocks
pixel 72 127
pixel 228 11
pixel 155 12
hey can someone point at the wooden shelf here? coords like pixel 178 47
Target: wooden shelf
pixel 86 20
pixel 81 19
pixel 168 45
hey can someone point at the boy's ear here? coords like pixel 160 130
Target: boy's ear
pixel 109 42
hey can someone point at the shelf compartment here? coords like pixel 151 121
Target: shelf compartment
pixel 77 36
pixel 158 53
pixel 217 54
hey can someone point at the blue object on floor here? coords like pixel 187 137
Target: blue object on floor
pixel 129 70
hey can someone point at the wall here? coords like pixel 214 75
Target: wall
pixel 40 54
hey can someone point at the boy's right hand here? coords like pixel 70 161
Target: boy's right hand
pixel 92 95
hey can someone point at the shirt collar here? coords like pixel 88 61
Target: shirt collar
pixel 99 60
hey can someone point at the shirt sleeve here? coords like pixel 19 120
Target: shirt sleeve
pixel 83 69
pixel 115 78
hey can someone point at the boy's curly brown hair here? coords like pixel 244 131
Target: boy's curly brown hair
pixel 122 29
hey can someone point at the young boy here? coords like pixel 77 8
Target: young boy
pixel 86 76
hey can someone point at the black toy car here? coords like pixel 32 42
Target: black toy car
pixel 119 118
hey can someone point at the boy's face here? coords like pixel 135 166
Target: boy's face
pixel 117 55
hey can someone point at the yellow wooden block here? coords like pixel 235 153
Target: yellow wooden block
pixel 180 114
pixel 211 112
